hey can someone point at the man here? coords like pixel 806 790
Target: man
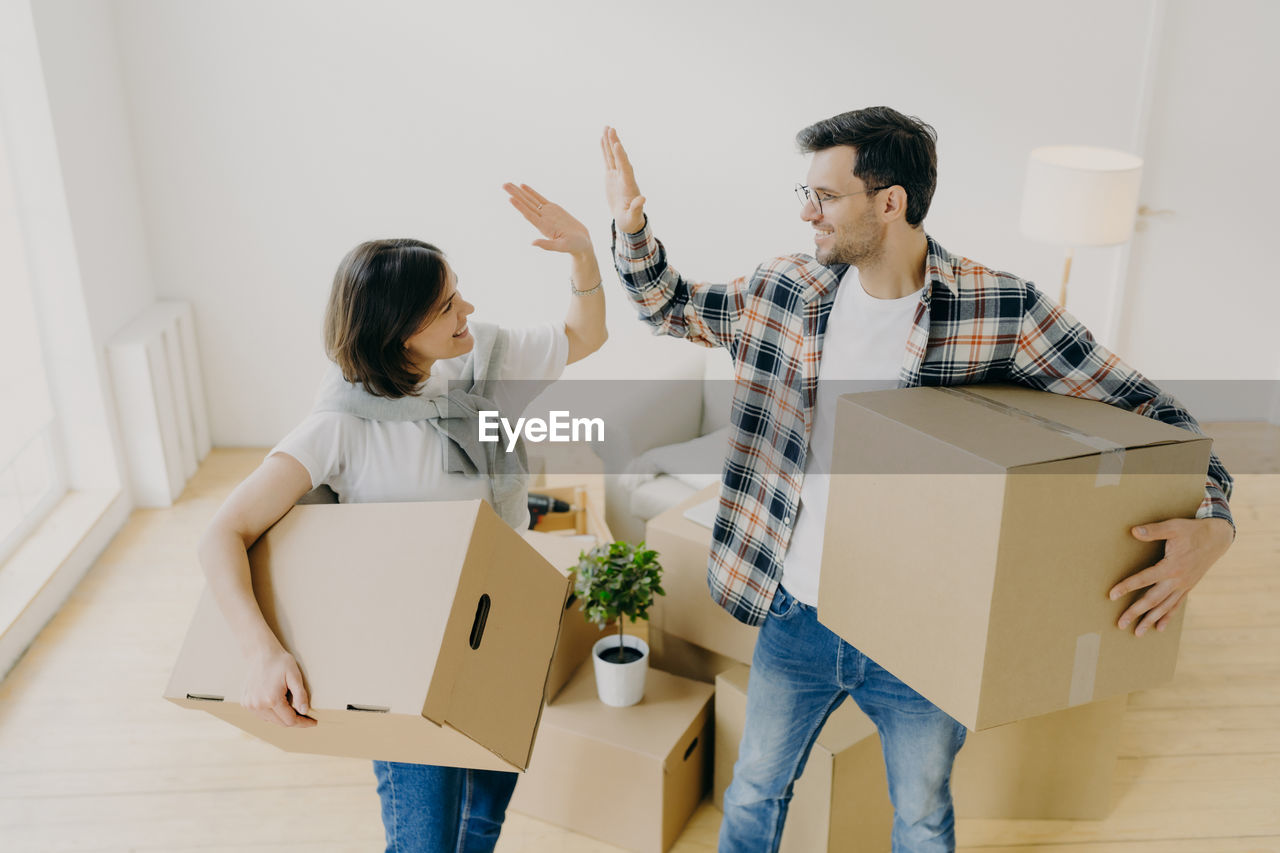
pixel 881 301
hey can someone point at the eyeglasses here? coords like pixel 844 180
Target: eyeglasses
pixel 807 195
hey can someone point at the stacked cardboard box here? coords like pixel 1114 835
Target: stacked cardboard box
pixel 1057 766
pixel 841 801
pixel 560 545
pixel 689 633
pixel 425 633
pixel 577 635
pixel 627 776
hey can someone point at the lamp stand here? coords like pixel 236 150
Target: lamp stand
pixel 1066 276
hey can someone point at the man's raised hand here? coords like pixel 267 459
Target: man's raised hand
pixel 625 201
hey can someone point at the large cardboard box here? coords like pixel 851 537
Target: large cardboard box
pixel 973 534
pixel 424 632
pixel 1059 766
pixel 626 776
pixel 687 613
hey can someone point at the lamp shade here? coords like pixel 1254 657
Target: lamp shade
pixel 1078 195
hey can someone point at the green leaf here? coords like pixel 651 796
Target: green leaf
pixel 617 580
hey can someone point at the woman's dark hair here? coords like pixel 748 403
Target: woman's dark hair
pixel 892 148
pixel 383 291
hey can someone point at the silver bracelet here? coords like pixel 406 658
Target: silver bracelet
pixel 577 292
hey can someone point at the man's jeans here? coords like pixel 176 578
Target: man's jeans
pixel 801 672
pixel 430 809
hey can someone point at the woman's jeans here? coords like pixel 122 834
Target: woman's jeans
pixel 430 809
pixel 801 672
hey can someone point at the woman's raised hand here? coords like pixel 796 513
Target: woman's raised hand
pixel 560 231
pixel 620 188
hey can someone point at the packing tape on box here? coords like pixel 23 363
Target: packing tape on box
pixel 1085 669
pixel 1110 454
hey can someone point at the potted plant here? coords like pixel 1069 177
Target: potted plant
pixel 614 580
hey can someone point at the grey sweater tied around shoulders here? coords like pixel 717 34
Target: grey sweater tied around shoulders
pixel 455 415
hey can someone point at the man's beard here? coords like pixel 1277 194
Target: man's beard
pixel 860 250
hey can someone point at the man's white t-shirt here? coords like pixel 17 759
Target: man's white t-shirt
pixel 865 340
pixel 367 461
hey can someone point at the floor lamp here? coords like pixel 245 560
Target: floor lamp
pixel 1078 195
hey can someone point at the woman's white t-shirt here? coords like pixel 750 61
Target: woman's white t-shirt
pixel 367 461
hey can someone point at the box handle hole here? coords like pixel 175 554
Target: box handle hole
pixel 202 698
pixel 572 598
pixel 373 708
pixel 693 745
pixel 482 616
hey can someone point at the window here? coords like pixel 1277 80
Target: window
pixel 31 479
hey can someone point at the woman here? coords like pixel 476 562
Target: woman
pixel 397 329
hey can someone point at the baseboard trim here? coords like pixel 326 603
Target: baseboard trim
pixel 44 571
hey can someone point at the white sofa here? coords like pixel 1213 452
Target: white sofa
pixel 674 445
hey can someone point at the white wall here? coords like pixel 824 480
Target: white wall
pixel 1197 303
pixel 66 126
pixel 272 136
pixel 82 73
pixel 1201 301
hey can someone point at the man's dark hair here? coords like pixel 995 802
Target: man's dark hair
pixel 383 292
pixel 892 148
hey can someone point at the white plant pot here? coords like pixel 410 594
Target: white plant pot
pixel 620 684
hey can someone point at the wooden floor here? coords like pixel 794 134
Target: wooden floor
pixel 92 759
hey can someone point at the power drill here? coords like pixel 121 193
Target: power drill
pixel 540 505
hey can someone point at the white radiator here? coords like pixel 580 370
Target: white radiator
pixel 164 425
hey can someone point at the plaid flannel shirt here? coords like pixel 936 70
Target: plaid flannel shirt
pixel 972 325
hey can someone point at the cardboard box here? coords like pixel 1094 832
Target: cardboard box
pixel 557 539
pixel 687 611
pixel 577 635
pixel 626 776
pixel 973 533
pixel 424 632
pixel 679 657
pixel 841 801
pixel 1056 767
